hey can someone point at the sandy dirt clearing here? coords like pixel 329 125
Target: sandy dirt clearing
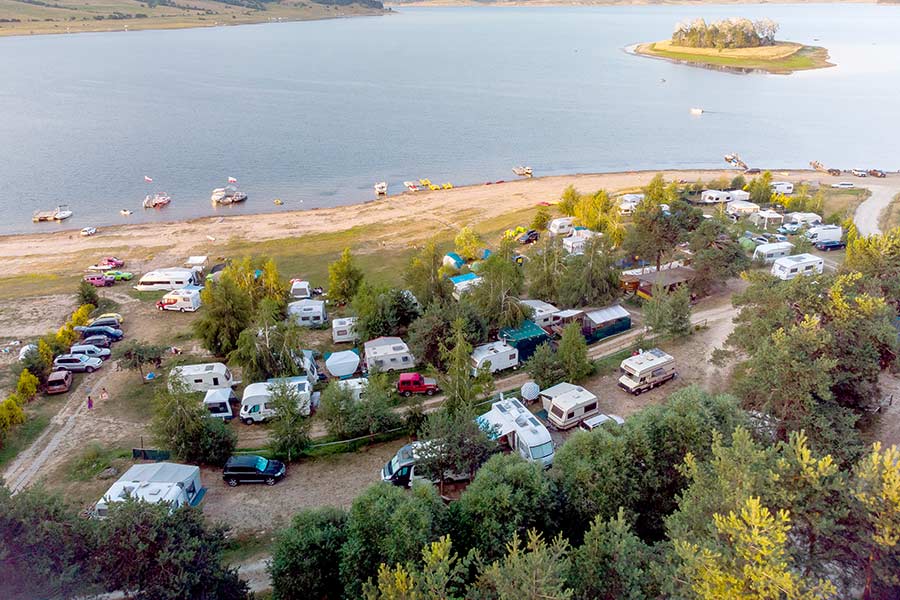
pixel 867 213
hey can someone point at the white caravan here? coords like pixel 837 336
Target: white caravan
pixel 569 406
pixel 741 208
pixel 388 354
pixel 543 314
pixel 203 377
pixel 154 483
pixel 307 313
pixel 646 370
pixel 500 355
pixel 769 253
pixel 255 405
pixel 790 267
pixel 300 289
pixel 357 386
pixel 343 330
pixel 560 227
pixel 180 300
pixel 804 218
pixel 166 280
pixel 715 197
pixel 510 423
pixel 782 187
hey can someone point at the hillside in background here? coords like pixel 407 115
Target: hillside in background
pixel 24 17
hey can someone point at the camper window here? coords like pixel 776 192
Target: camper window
pixel 198 381
pixel 557 411
pixel 590 407
pixel 542 451
pixel 405 359
pixel 512 356
pixel 215 381
pixel 571 415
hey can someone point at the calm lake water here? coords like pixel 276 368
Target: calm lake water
pixel 315 113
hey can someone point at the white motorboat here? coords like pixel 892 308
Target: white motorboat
pixel 523 171
pixel 227 195
pixel 381 188
pixel 696 111
pixel 158 200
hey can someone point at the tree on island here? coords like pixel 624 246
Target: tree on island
pixel 727 33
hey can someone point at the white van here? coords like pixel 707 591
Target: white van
pixel 825 233
pixel 203 377
pixel 180 300
pixel 218 403
pixel 166 280
pixel 769 253
pixel 501 356
pixel 782 187
pixel 646 370
pixel 255 405
pixel 560 227
pixel 790 267
pixel 568 409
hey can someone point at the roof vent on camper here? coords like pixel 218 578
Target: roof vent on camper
pixel 208 368
pixel 521 421
pixel 533 421
pixel 502 407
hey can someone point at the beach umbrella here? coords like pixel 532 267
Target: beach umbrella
pixel 342 364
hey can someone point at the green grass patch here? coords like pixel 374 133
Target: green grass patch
pixel 22 436
pixel 37 284
pixel 808 57
pixel 94 459
pixel 248 545
pixel 890 216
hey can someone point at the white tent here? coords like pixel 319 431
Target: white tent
pixel 342 364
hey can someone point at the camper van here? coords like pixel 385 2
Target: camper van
pixel 511 424
pixel 567 405
pixel 166 280
pixel 300 289
pixel 203 377
pixel 255 406
pixel 782 187
pixel 560 227
pixel 343 330
pixel 646 370
pixel 218 403
pixel 825 233
pixel 388 354
pixel 790 267
pixel 401 469
pixel 154 483
pixel 307 313
pixel 542 313
pixel 769 253
pixel 181 300
pixel 500 355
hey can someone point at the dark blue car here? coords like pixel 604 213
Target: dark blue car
pixel 114 335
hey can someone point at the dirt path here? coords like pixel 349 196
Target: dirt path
pixel 868 213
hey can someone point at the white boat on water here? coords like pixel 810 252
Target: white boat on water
pixel 60 213
pixel 523 171
pixel 125 212
pixel 411 186
pixel 696 111
pixel 227 195
pixel 381 188
pixel 157 200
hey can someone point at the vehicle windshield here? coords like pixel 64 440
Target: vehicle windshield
pixel 542 451
pixel 261 463
pixel 393 465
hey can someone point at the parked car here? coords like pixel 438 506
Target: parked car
pixel 592 423
pixel 529 237
pixel 759 240
pixel 843 185
pixel 859 172
pixel 88 231
pixel 830 245
pixel 120 275
pixel 115 316
pixel 101 341
pixel 99 280
pixel 414 383
pixel 90 350
pixel 877 173
pixel 252 469
pixel 113 334
pixel 789 228
pixel 58 382
pixel 105 322
pixel 111 262
pixel 753 171
pixel 77 363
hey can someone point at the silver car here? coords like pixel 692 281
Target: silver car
pixel 90 350
pixel 77 363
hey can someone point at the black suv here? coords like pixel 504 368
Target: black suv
pixel 252 469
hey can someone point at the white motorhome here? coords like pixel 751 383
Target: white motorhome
pixel 203 377
pixel 300 289
pixel 166 280
pixel 513 425
pixel 769 253
pixel 181 300
pixel 560 227
pixel 790 267
pixel 307 313
pixel 804 218
pixel 154 483
pixel 218 403
pixel 569 406
pixel 388 354
pixel 825 233
pixel 500 355
pixel 646 370
pixel 782 187
pixel 542 313
pixel 344 330
pixel 715 197
pixel 255 405
pixel 741 208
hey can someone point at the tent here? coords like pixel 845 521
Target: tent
pixel 342 364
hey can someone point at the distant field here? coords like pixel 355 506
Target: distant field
pixel 32 17
pixel 783 57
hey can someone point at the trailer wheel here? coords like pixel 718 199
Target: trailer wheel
pixel 232 482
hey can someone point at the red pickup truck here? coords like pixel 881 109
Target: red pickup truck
pixel 414 383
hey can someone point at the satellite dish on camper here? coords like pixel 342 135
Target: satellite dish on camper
pixel 530 391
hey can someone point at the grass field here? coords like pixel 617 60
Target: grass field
pixel 783 57
pixel 843 202
pixel 890 216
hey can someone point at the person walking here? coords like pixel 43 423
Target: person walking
pixel 90 403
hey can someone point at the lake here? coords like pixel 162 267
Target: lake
pixel 315 113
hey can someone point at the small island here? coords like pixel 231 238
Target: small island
pixel 735 45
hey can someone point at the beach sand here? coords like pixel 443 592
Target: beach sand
pixel 171 243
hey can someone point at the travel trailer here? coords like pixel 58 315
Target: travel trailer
pixel 782 187
pixel 739 195
pixel 804 218
pixel 343 330
pixel 357 386
pixel 575 243
pixel 218 403
pixel 464 283
pixel 154 483
pixel 790 267
pixel 646 370
pixel 542 313
pixel 567 405
pixel 825 233
pixel 741 208
pixel 166 280
pixel 307 313
pixel 560 227
pixel 180 300
pixel 769 253
pixel 500 355
pixel 715 197
pixel 255 405
pixel 388 354
pixel 511 424
pixel 203 377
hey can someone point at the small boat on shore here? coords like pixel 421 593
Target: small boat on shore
pixel 157 200
pixel 447 186
pixel 277 202
pixel 60 213
pixel 411 186
pixel 522 171
pixel 381 188
pixel 227 195
pixel 425 182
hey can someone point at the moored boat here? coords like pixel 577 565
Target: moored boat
pixel 381 188
pixel 227 195
pixel 411 186
pixel 522 171
pixel 157 200
pixel 60 213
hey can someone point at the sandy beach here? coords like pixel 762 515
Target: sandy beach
pixel 42 253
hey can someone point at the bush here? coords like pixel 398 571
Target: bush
pixel 306 560
pixel 87 294
pixel 217 442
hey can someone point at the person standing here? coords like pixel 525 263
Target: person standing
pixel 90 403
